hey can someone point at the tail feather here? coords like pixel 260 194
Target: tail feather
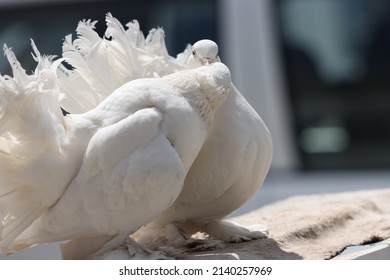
pixel 19 73
pixel 89 37
pixel 102 64
pixel 122 47
pixel 134 34
pixel 31 131
pixel 29 110
pixel 155 42
pixel 82 61
pixel 13 226
pixel 82 102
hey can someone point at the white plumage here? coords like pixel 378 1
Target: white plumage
pixel 94 178
pixel 103 64
pixel 229 169
pixel 156 150
pixel 232 163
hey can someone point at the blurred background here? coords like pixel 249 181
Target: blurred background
pixel 317 72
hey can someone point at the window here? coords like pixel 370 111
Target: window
pixel 337 61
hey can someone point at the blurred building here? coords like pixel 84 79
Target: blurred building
pixel 337 67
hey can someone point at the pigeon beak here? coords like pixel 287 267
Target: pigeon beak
pixel 206 61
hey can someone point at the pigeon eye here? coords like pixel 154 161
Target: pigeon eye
pixel 193 52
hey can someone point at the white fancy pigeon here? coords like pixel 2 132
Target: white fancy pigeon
pixel 229 169
pixel 95 178
pixel 232 163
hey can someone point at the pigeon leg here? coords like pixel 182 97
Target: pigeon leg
pixel 229 231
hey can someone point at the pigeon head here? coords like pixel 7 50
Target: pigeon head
pixel 204 52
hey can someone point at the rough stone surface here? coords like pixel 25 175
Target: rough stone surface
pixel 311 227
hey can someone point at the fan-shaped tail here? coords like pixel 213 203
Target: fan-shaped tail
pixel 102 64
pixel 31 125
